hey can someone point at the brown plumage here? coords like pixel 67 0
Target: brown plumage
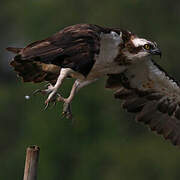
pixel 88 52
pixel 36 71
pixel 67 48
pixel 73 47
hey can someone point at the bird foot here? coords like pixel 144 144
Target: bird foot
pixel 67 113
pixel 53 98
pixel 44 91
pixel 48 103
pixel 50 88
pixel 52 91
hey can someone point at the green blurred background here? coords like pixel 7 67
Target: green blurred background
pixel 104 142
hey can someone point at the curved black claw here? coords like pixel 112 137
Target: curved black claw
pixel 46 106
pixel 51 101
pixel 50 104
pixel 36 91
pixel 53 95
pixel 42 91
pixel 49 89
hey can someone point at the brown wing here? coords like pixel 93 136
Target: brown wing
pixel 155 98
pixel 73 47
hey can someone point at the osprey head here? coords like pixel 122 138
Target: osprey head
pixel 138 48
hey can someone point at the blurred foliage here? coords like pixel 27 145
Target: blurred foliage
pixel 103 142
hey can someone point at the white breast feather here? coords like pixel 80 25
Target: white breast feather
pixel 162 80
pixel 109 49
pixel 146 75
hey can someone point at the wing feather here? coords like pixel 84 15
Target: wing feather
pixel 147 90
pixel 73 47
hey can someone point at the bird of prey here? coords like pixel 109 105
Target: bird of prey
pixel 88 52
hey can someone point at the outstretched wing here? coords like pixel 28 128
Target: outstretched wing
pixel 147 90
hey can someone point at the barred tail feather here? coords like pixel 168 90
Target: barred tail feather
pixel 32 71
pixel 14 50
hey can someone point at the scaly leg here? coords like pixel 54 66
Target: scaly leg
pixel 52 90
pixel 78 84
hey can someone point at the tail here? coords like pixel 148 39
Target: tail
pixel 33 71
pixel 14 50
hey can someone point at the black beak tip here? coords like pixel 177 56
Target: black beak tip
pixel 156 52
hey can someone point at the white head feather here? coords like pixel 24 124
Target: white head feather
pixel 140 42
pixel 141 54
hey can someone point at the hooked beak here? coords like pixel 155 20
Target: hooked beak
pixel 156 51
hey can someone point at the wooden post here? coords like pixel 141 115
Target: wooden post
pixel 31 165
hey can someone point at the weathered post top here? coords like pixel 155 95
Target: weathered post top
pixel 31 164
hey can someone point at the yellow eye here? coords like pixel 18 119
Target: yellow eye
pixel 147 47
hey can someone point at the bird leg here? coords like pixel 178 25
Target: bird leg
pixel 67 101
pixel 78 84
pixel 52 90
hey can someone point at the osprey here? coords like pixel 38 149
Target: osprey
pixel 88 52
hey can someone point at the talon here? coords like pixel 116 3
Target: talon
pixel 53 102
pixel 48 101
pixel 67 115
pixel 36 91
pixel 45 91
pixel 63 115
pixel 46 106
